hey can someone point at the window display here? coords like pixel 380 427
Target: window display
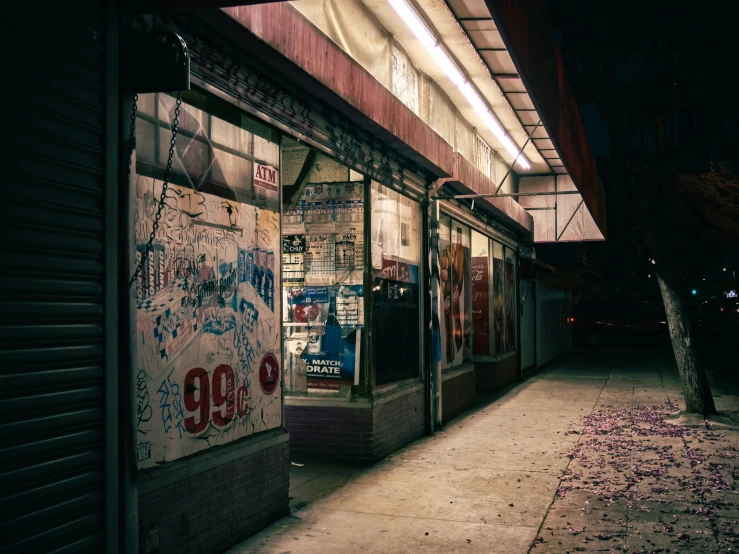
pixel 455 269
pixel 207 330
pixel 480 294
pixel 498 298
pixel 396 259
pixel 323 261
pixel 510 299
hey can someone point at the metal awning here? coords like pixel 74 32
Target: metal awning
pixel 532 116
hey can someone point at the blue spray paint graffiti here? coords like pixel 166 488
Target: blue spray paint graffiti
pixel 245 353
pixel 171 408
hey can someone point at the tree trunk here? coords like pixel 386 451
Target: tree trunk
pixel 697 392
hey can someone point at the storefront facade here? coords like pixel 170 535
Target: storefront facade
pixel 265 240
pixel 308 284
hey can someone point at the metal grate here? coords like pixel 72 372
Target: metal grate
pixel 51 278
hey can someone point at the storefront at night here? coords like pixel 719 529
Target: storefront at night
pixel 288 246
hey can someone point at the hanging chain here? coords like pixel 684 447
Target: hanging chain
pixel 165 184
pixel 123 214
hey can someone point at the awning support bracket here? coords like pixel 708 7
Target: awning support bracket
pixel 510 168
pixel 570 220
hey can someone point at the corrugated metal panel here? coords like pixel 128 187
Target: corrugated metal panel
pixel 51 283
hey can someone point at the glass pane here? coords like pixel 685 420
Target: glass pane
pixel 498 298
pixel 445 274
pixel 207 316
pixel 396 255
pixel 266 152
pixel 510 299
pixel 145 145
pixel 480 294
pixel 323 292
pixel 461 291
pixel 212 155
pixel 456 294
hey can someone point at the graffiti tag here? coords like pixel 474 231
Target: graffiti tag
pixel 170 404
pixel 143 406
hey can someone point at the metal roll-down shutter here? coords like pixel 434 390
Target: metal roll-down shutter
pixel 52 125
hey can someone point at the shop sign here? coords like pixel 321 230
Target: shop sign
pixel 265 177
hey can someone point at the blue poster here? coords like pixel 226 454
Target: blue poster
pixel 332 371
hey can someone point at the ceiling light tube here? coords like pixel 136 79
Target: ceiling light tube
pixel 414 22
pixel 457 77
pixel 449 67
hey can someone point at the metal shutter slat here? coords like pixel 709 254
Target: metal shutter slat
pixel 52 456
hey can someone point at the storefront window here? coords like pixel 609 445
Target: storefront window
pixel 396 260
pixel 445 275
pixel 480 263
pixel 223 153
pixel 510 299
pixel 455 265
pixel 207 340
pixel 323 272
pixel 498 297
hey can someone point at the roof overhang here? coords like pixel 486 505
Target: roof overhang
pixel 466 179
pixel 526 30
pixel 507 51
pixel 298 52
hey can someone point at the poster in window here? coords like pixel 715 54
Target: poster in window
pixel 334 318
pixel 336 365
pixel 480 306
pixel 293 254
pixel 207 334
pixel 207 329
pixel 455 268
pixel 498 304
pixel 320 260
pixel 510 298
pixel 445 293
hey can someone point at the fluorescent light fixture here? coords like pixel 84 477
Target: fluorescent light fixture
pixel 414 23
pixel 445 62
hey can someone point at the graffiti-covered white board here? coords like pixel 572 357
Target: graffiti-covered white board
pixel 207 339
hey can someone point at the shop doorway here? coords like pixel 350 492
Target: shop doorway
pixel 323 255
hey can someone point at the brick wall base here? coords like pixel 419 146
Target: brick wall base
pixel 398 422
pixel 457 395
pixel 209 502
pixel 329 433
pixel 360 434
pixel 494 376
pixel 507 371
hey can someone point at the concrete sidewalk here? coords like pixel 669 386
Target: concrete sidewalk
pixel 489 482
